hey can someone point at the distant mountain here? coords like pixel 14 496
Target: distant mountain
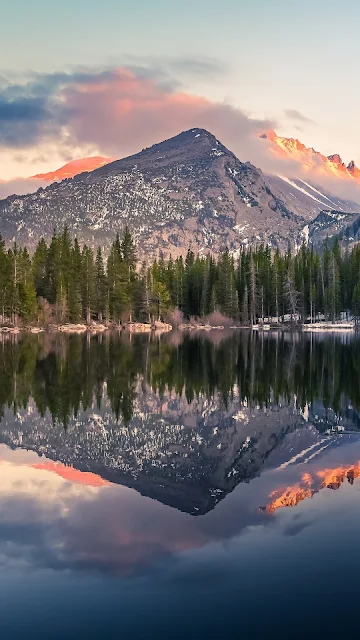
pixel 324 214
pixel 73 168
pixel 189 190
pixel 307 200
pixel 309 485
pixel 310 159
pixel 21 184
pixel 332 225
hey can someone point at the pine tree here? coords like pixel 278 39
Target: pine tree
pixel 291 294
pixel 100 286
pixel 39 263
pixel 334 287
pixel 245 306
pixel 226 286
pixel 88 285
pixel 14 297
pixel 53 271
pixel 73 282
pixel 143 294
pixel 161 299
pixel 128 251
pixel 253 292
pixel 179 284
pixel 5 281
pixel 26 287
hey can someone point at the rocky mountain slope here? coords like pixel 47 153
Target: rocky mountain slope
pixel 307 200
pixel 332 225
pixel 189 190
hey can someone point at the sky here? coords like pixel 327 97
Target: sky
pixel 86 77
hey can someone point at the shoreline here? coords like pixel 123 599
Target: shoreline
pixel 95 328
pixel 164 327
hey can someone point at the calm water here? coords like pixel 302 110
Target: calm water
pixel 179 487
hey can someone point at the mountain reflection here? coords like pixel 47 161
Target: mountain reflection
pixel 182 419
pixel 310 485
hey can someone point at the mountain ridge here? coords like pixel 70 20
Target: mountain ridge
pixel 189 190
pixel 310 158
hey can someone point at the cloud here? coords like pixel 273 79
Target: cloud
pixel 295 115
pixel 123 113
pixel 19 187
pixel 33 111
pixel 118 111
pixel 21 120
pixel 200 68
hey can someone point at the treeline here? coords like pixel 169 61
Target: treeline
pixel 64 282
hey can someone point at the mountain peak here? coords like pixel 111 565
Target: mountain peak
pixel 311 159
pixel 286 144
pixel 186 137
pixel 189 190
pixel 336 159
pixel 353 169
pixel 193 145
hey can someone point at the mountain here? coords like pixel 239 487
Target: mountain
pixel 73 168
pixel 310 159
pixel 307 200
pixel 21 185
pixel 324 214
pixel 189 190
pixel 334 225
pixel 191 468
pixel 309 485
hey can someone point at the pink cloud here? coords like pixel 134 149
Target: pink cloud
pixel 123 113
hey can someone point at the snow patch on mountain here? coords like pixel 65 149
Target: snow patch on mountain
pixel 296 186
pixel 309 186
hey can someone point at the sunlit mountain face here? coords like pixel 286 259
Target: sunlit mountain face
pixel 68 170
pixel 311 161
pixel 70 474
pixel 73 168
pixel 309 485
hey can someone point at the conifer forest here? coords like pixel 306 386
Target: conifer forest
pixel 65 282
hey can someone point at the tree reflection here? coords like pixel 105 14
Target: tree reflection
pixel 67 374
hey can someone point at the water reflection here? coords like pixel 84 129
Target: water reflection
pixel 64 374
pixel 63 519
pixel 181 419
pixel 257 436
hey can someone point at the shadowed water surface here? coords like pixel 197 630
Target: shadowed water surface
pixel 179 486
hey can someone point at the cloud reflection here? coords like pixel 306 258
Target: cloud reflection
pixel 63 519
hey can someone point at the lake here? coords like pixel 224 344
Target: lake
pixel 179 486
